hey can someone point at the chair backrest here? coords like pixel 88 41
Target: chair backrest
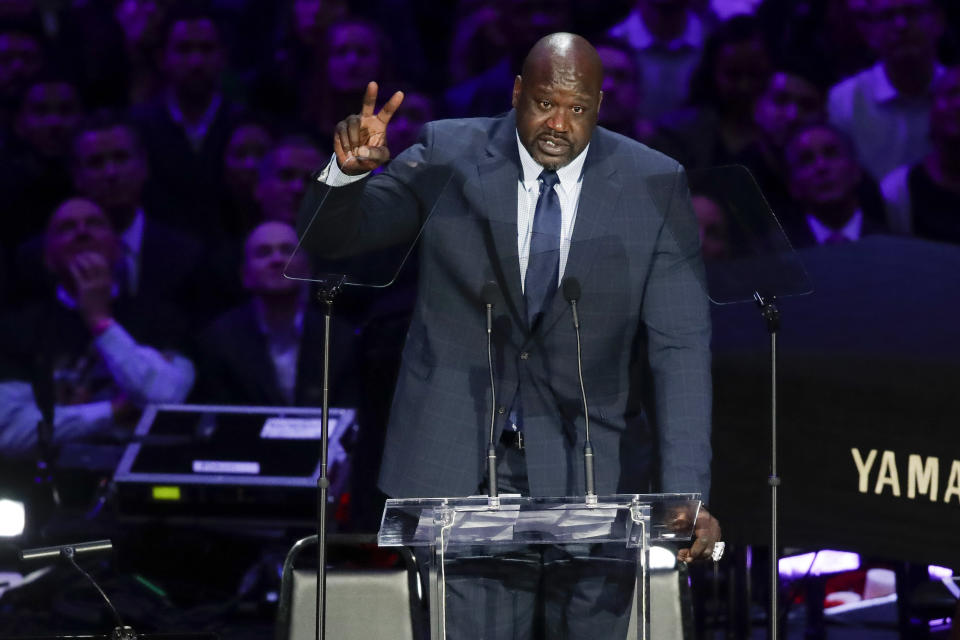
pixel 361 604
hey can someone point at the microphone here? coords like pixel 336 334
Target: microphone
pixel 69 553
pixel 489 295
pixel 571 293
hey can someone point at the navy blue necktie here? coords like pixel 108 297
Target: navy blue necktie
pixel 543 265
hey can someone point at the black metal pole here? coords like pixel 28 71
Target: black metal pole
pixel 328 290
pixel 771 317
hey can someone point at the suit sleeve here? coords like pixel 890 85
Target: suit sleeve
pixel 676 317
pixel 380 211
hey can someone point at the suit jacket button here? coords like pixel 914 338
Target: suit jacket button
pixel 501 410
pixel 524 355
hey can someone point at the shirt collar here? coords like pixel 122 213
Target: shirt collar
pixel 132 236
pixel 295 329
pixel 569 175
pixel 639 37
pixel 195 132
pixel 883 90
pixel 851 231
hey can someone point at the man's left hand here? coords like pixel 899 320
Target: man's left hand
pixel 706 533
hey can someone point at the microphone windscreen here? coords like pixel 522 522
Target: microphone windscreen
pixel 571 289
pixel 490 293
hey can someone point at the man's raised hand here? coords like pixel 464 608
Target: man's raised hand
pixel 360 140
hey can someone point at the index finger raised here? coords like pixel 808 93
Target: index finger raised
pixel 369 99
pixel 387 111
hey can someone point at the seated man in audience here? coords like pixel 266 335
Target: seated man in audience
pixel 923 199
pixel 110 168
pixel 88 356
pixel 885 109
pixel 823 177
pixel 268 351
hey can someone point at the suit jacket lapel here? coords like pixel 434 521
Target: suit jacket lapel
pixel 499 172
pixel 598 194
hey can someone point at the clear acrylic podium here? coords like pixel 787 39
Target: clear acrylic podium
pixel 608 541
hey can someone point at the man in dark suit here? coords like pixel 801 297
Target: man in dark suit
pixel 825 179
pixel 185 131
pixel 267 351
pixel 616 216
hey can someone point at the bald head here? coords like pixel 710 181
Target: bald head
pixel 76 227
pixel 564 54
pixel 557 97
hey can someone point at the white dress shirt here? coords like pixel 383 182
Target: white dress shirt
pixel 664 67
pixel 888 129
pixel 850 231
pixel 528 192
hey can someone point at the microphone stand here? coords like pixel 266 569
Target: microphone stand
pixel 68 552
pixel 771 317
pixel 327 291
pixel 571 291
pixel 489 294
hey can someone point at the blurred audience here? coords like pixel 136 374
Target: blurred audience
pixel 667 38
pixel 34 172
pixel 88 354
pixel 21 59
pixel 282 337
pixel 278 83
pixel 511 25
pixel 795 96
pixel 719 123
pixel 885 109
pixel 186 129
pixel 110 168
pixel 357 50
pixel 923 199
pixel 246 147
pixel 284 174
pixel 142 24
pixel 824 176
pixel 714 228
pixel 622 92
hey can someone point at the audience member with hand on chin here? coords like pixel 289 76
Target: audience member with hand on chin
pixel 103 354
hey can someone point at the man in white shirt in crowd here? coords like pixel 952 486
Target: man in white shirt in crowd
pixel 885 109
pixel 667 39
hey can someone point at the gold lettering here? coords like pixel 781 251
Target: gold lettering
pixel 888 474
pixel 922 475
pixel 863 468
pixel 953 484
